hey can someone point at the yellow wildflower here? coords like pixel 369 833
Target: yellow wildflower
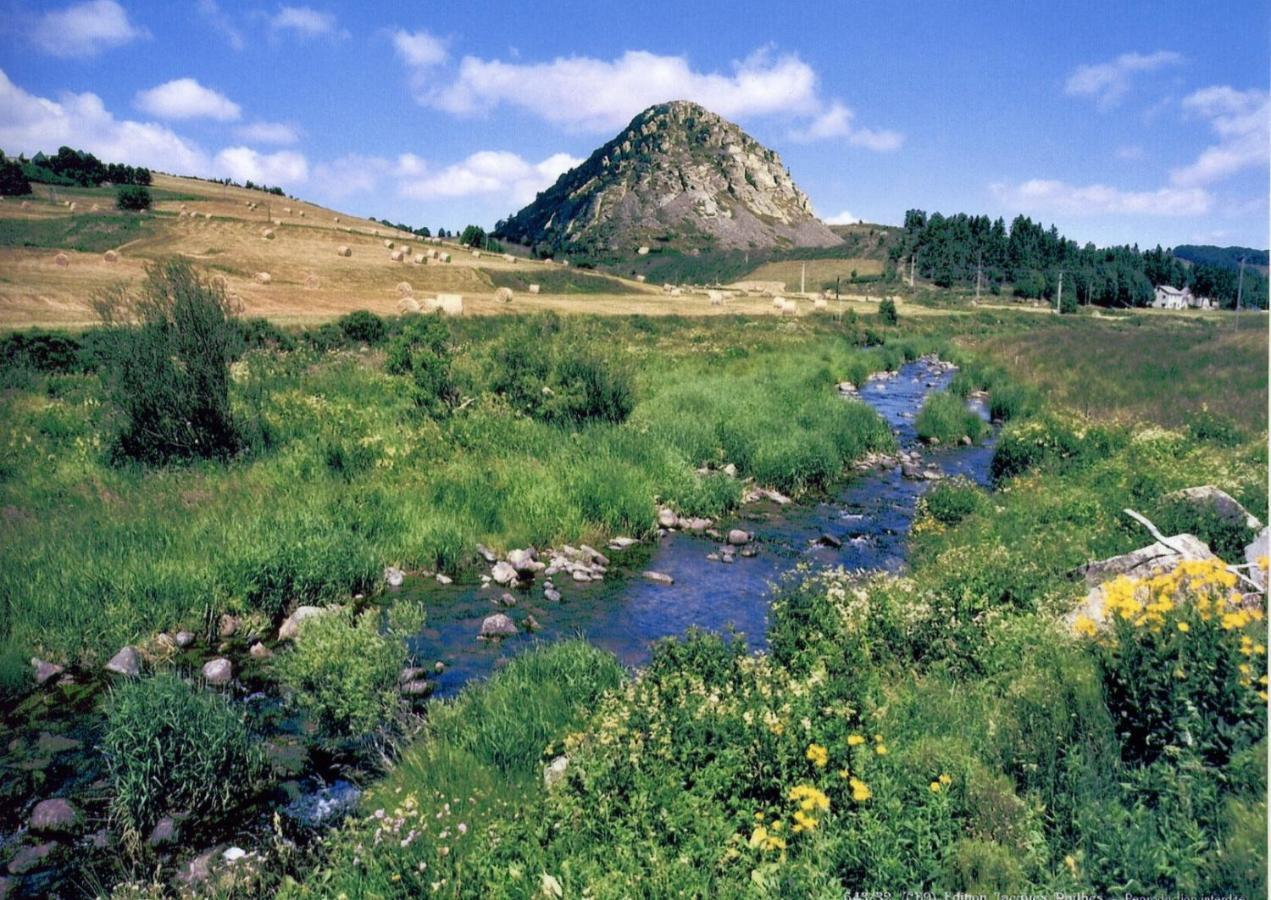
pixel 855 740
pixel 860 790
pixel 934 787
pixel 818 755
pixel 1085 626
pixel 809 798
pixel 1184 627
pixel 881 749
pixel 946 780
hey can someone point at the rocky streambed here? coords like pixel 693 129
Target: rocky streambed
pixel 54 835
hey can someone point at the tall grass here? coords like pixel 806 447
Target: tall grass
pixel 945 418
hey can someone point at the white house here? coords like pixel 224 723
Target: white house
pixel 1168 297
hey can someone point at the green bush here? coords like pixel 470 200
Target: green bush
pixel 325 337
pixel 342 672
pixel 1227 537
pixel 945 418
pixel 951 501
pixel 364 327
pixel 171 747
pixel 262 334
pixel 132 197
pixel 421 351
pixel 43 351
pixel 168 367
pixel 887 311
pixel 1034 443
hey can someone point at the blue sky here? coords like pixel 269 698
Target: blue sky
pixel 1122 122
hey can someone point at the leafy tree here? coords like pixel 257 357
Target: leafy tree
pixel 132 197
pixel 887 311
pixel 473 236
pixel 421 351
pixel 13 181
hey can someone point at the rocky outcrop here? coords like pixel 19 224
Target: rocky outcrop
pixel 681 177
pixel 1209 498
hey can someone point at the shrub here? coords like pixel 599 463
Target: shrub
pixel 421 351
pixel 168 369
pixel 363 327
pixel 949 502
pixel 169 746
pixel 945 418
pixel 324 338
pixel 887 311
pixel 262 334
pixel 132 197
pixel 1226 536
pixel 1206 425
pixel 343 672
pixel 1034 443
pixel 43 351
pixel 13 181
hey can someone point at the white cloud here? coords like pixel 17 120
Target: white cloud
pixel 304 21
pixel 1050 196
pixel 1241 120
pixel 585 94
pixel 268 133
pixel 349 175
pixel 85 29
pixel 284 168
pixel 185 98
pixel 1131 152
pixel 29 124
pixel 1108 82
pixel 843 218
pixel 494 173
pixel 419 49
pixel 212 13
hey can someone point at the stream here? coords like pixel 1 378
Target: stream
pixel 49 744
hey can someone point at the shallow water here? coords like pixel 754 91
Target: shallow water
pixel 871 515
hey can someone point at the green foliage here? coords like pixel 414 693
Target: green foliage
pixel 420 351
pixel 262 334
pixel 951 501
pixel 887 311
pixel 43 351
pixel 945 418
pixel 342 673
pixel 1225 535
pixel 363 327
pixel 170 747
pixel 132 198
pixel 13 181
pixel 168 368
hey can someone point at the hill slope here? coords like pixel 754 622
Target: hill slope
pixel 678 177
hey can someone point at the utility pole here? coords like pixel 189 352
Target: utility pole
pixel 803 278
pixel 1059 299
pixel 913 262
pixel 837 279
pixel 1240 290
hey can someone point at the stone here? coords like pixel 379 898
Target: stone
pixel 554 772
pixel 667 518
pixel 29 858
pixel 594 555
pixel 1225 506
pixel 53 744
pixel 737 537
pixel 126 662
pixel 486 553
pixel 503 573
pixel 444 579
pixel 439 667
pixel 749 551
pixel 622 543
pixel 417 687
pixel 1147 561
pixel 228 625
pixel 497 626
pixel 966 440
pixel 552 595
pixel 219 671
pixel 200 868
pixel 775 496
pixel 233 854
pixel 1256 556
pixel 56 816
pixel 259 651
pixel 581 575
pixel 164 832
pixel 410 673
pixel 830 540
pixel 524 562
pixel 184 639
pixel 394 577
pixel 531 624
pixel 291 626
pixel 45 670
pixel 730 470
pixel 909 470
pixel 657 577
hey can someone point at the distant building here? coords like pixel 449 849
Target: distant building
pixel 1168 297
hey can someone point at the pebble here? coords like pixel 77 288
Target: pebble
pixel 218 671
pixel 126 662
pixel 658 577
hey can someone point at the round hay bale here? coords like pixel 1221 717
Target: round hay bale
pixel 444 257
pixel 641 278
pixel 820 303
pixel 404 289
pixel 508 257
pixel 396 256
pixel 71 206
pixel 263 278
pixel 504 295
pixel 62 260
pixel 790 308
pixel 778 302
pixel 312 282
pixel 643 251
pixel 408 305
pixel 95 208
pixel 388 245
pixel 277 221
pixel 26 204
pixel 476 253
pixel 534 288
pixel 267 234
pixel 448 304
pixel 207 215
pixel 336 220
pixel 419 259
pixel 287 210
pixel 110 256
pixel 302 213
pixel 343 250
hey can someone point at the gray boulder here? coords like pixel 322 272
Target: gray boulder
pixel 738 538
pixel 497 626
pixel 1142 563
pixel 523 561
pixel 394 577
pixel 219 671
pixel 291 627
pixel 667 518
pixel 1208 497
pixel 503 573
pixel 658 577
pixel 44 671
pixel 184 639
pixel 29 858
pixel 164 832
pixel 554 772
pixel 126 662
pixel 56 816
pixel 1255 552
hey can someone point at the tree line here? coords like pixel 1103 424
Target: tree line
pixel 68 167
pixel 965 250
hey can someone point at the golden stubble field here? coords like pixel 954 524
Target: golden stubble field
pixel 214 225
